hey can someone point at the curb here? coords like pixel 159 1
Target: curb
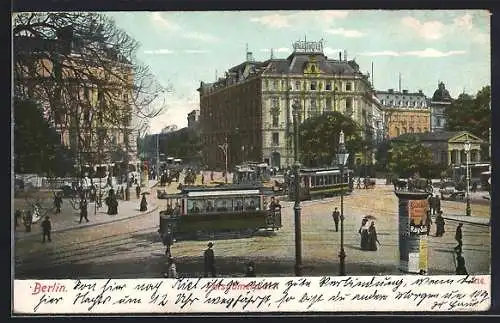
pixel 94 224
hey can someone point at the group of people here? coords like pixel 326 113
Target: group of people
pixel 369 239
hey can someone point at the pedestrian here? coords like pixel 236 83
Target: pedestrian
pixel 168 241
pixel 250 270
pixel 358 183
pixel 209 261
pixel 46 229
pixel 58 202
pixel 138 191
pixel 430 200
pixel 144 203
pixel 363 231
pixel 202 179
pixel 28 220
pixel 474 187
pixel 372 237
pixel 440 224
pixel 112 202
pixel 437 204
pixel 458 238
pixel 460 270
pixel 17 216
pixel 336 218
pixel 83 210
pixel 428 221
pixel 171 269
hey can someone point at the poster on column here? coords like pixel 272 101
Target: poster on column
pixel 276 119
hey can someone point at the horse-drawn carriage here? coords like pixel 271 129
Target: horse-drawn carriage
pixel 369 183
pixel 413 184
pixel 450 194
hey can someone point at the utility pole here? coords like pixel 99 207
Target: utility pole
pixel 296 207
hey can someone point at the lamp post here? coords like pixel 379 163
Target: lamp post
pixel 467 147
pixel 157 155
pixel 342 157
pixel 296 207
pixel 223 147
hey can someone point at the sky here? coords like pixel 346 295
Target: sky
pixel 425 46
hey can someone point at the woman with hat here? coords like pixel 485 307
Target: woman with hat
pixel 209 261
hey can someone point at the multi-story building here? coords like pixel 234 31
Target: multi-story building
pixel 89 105
pixel 439 102
pixel 404 112
pixel 251 107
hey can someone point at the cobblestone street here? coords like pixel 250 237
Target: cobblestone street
pixel 131 248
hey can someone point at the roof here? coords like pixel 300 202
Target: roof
pixel 225 187
pixel 433 136
pixel 296 62
pixel 441 94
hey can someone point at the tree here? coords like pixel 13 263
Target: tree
pixel 408 157
pixel 470 113
pixel 84 72
pixel 319 138
pixel 37 146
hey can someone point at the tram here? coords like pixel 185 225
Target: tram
pixel 251 171
pixel 203 211
pixel 322 182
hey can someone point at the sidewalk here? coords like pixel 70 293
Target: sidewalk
pixel 479 220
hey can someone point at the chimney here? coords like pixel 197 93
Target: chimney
pixel 340 56
pixel 405 91
pixel 420 92
pixel 391 90
pixel 345 54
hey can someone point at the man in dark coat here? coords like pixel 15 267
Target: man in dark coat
pixel 460 270
pixel 336 218
pixel 458 238
pixel 209 261
pixel 58 202
pixel 46 229
pixel 144 204
pixel 112 203
pixel 83 210
pixel 439 224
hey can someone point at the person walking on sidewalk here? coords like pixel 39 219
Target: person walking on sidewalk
pixel 437 204
pixel 46 229
pixel 58 202
pixel 209 261
pixel 460 269
pixel 336 218
pixel 458 238
pixel 83 210
pixel 138 191
pixel 439 224
pixel 144 203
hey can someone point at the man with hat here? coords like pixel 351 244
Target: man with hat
pixel 209 261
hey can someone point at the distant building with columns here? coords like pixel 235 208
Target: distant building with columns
pixel 448 146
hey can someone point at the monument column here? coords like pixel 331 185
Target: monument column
pixel 413 252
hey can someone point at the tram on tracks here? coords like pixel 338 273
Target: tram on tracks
pixel 317 183
pixel 198 212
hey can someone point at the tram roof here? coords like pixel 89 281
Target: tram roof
pixel 320 169
pixel 224 187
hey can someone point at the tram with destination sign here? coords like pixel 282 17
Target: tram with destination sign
pixel 199 212
pixel 321 182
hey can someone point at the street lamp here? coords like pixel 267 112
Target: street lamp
pixel 223 147
pixel 467 147
pixel 296 207
pixel 342 157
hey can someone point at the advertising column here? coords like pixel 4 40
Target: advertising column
pixel 413 253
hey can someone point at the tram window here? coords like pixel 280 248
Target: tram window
pixel 223 205
pixel 252 203
pixel 209 206
pixel 238 204
pixel 321 181
pixel 194 206
pixel 330 180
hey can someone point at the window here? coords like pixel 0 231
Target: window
pixel 411 130
pixel 276 85
pixel 328 105
pixel 223 204
pixel 313 85
pixel 314 108
pixel 282 84
pixel 348 86
pixel 328 86
pixel 348 106
pixel 276 138
pixel 297 85
pixel 438 122
pixel 397 131
pixel 391 103
pixel 275 120
pixel 266 85
pixel 404 130
pixel 252 203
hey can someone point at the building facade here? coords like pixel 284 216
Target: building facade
pixel 193 119
pixel 448 146
pixel 90 106
pixel 438 104
pixel 251 107
pixel 404 112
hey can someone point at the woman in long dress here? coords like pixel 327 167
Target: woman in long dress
pixel 372 237
pixel 363 231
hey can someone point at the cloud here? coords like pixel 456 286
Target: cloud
pixel 426 53
pixel 428 30
pixel 276 50
pixel 195 51
pixel 200 36
pixel 160 21
pixel 464 21
pixel 158 51
pixel 345 32
pixel 273 20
